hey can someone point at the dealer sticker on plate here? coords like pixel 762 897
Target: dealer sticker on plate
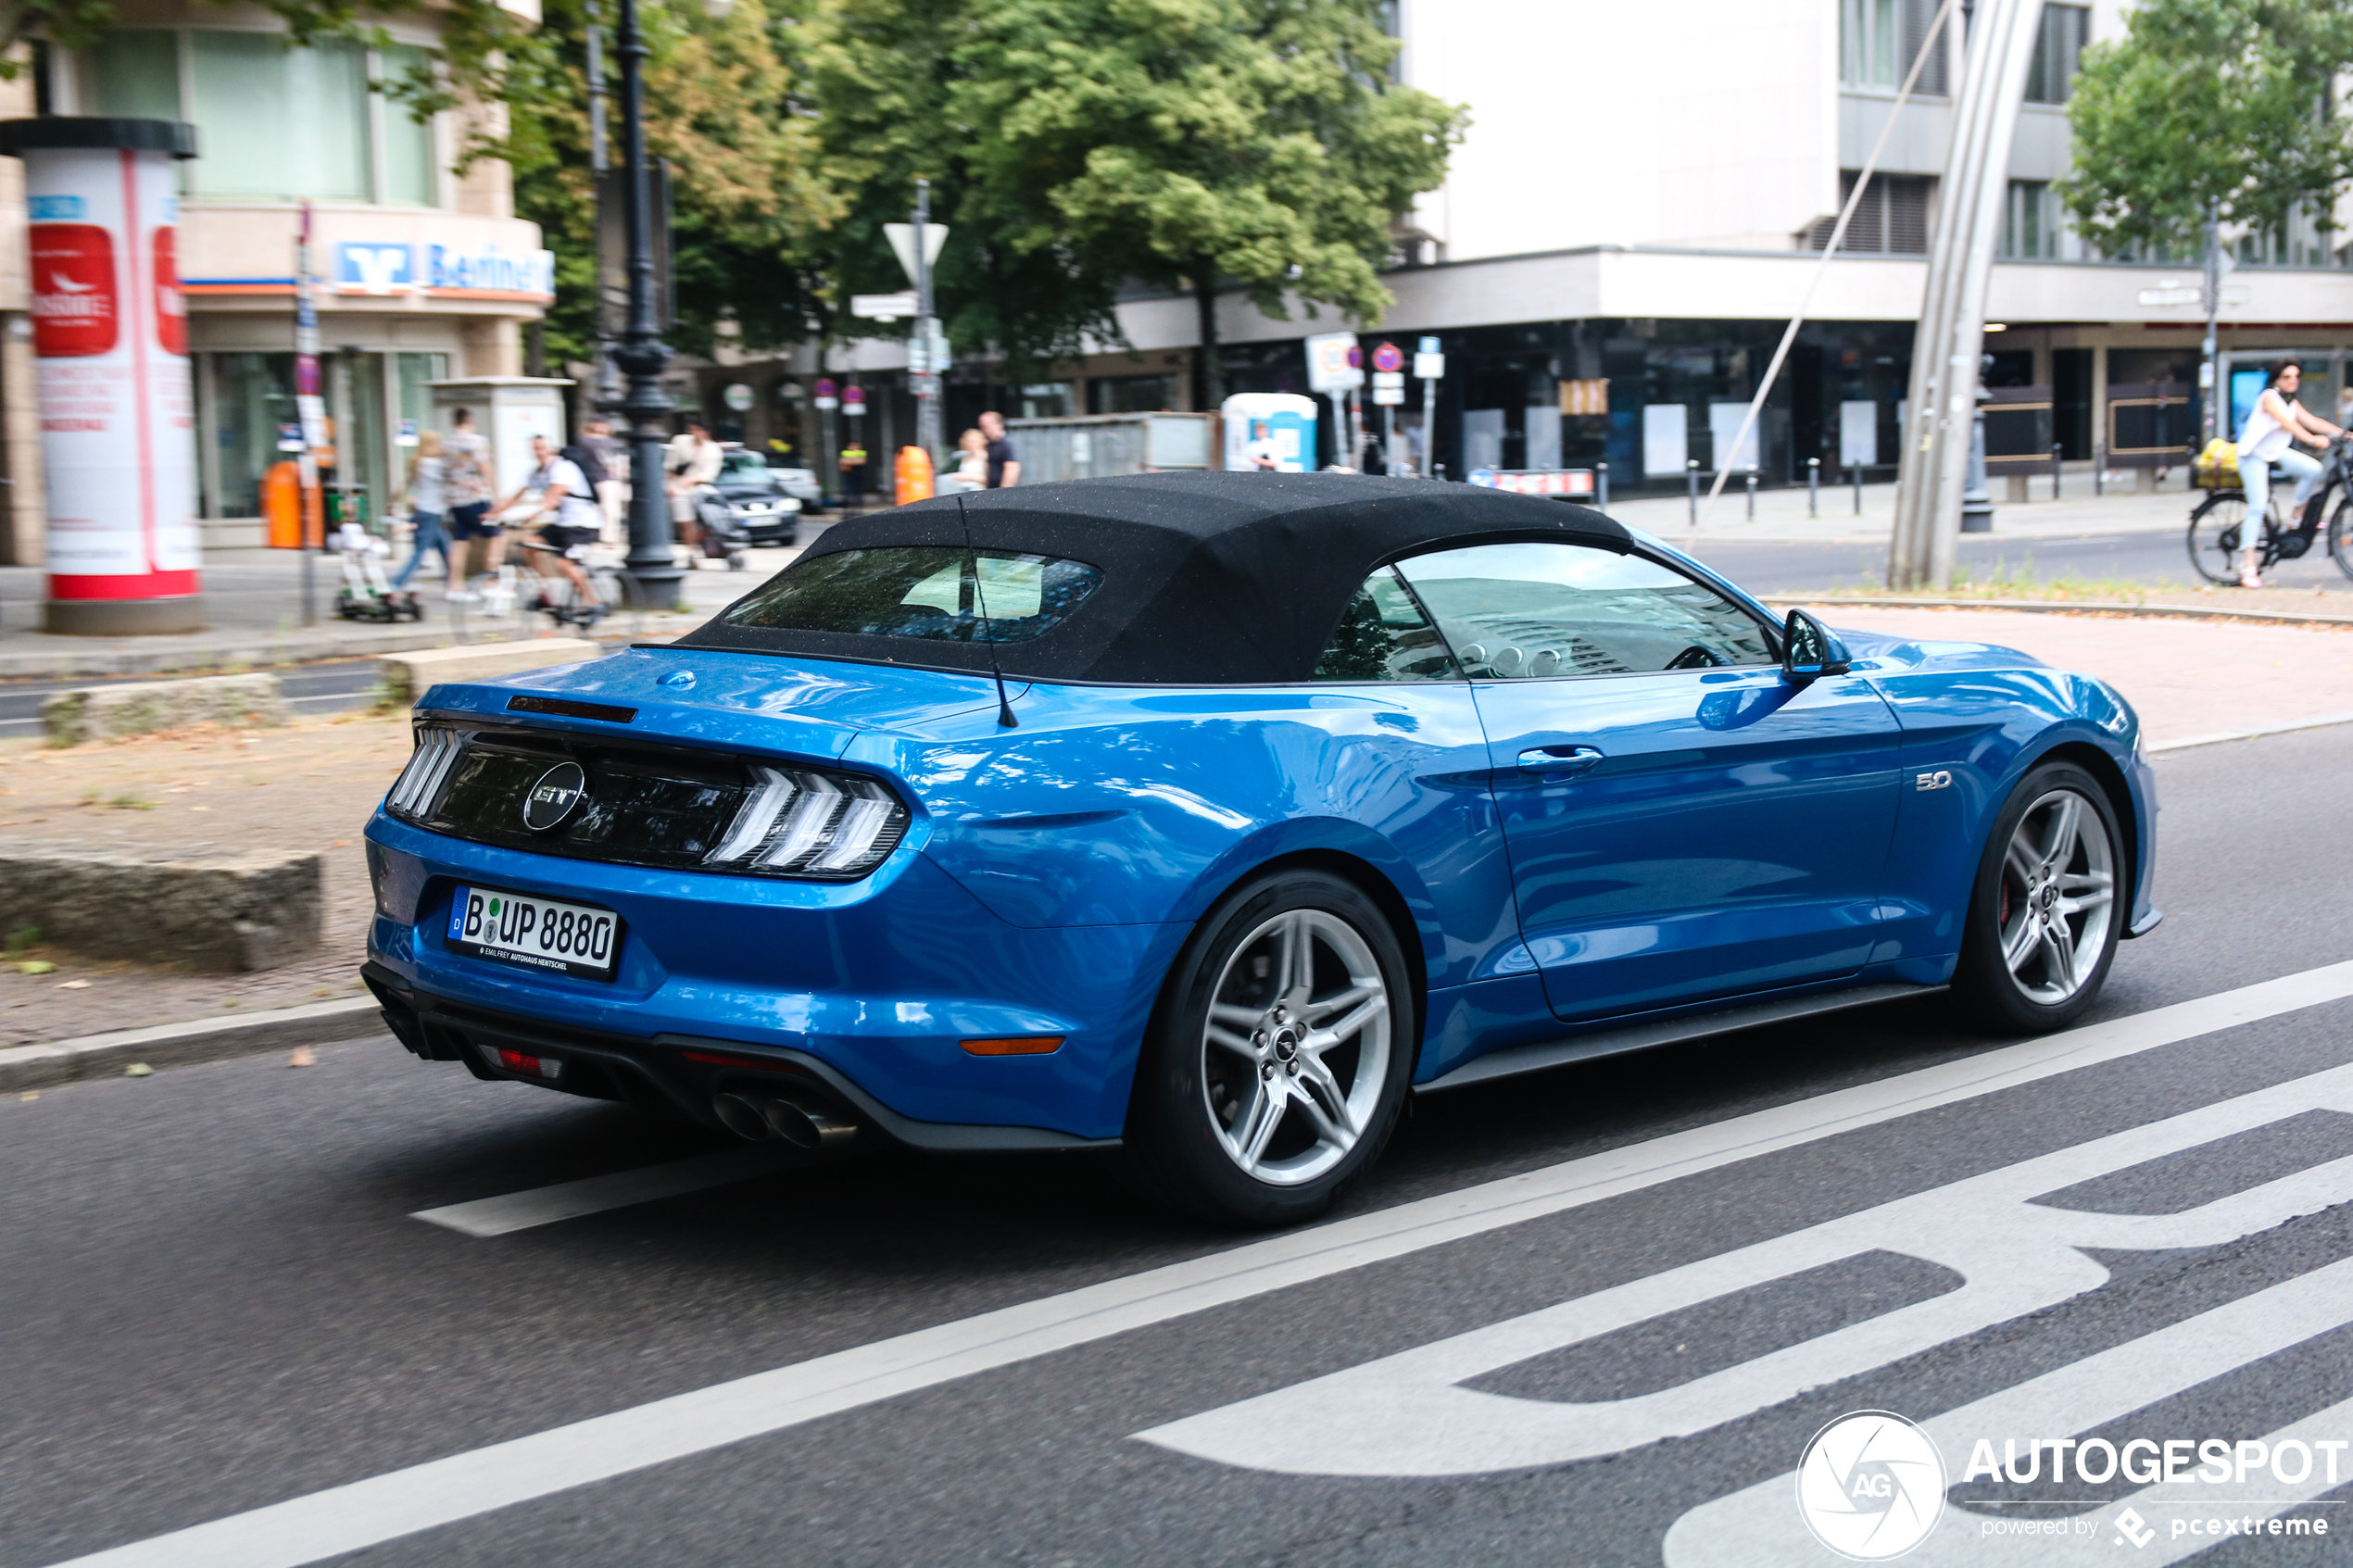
pixel 537 933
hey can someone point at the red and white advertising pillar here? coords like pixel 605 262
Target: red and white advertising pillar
pixel 110 340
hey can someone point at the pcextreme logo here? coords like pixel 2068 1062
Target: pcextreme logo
pixel 1871 1485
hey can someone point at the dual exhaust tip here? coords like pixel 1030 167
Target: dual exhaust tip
pixel 804 1124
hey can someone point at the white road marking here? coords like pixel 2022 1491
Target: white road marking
pixel 383 1508
pixel 568 1200
pixel 1407 1414
pixel 1759 1526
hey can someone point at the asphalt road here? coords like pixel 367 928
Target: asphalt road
pixel 1589 1317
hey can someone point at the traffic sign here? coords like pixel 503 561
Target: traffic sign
pixel 2172 296
pixel 1429 364
pixel 828 396
pixel 1388 397
pixel 1329 368
pixel 883 307
pixel 739 397
pixel 903 245
pixel 1388 359
pixel 853 401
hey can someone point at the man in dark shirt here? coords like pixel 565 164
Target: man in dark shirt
pixel 1004 468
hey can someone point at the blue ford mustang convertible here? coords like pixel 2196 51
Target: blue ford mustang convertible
pixel 1207 816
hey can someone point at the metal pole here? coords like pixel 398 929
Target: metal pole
pixel 604 389
pixel 2056 470
pixel 2213 369
pixel 927 378
pixel 1857 471
pixel 1813 487
pixel 1751 494
pixel 1690 484
pixel 1601 486
pixel 2099 462
pixel 651 572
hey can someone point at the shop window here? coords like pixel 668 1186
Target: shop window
pixel 252 398
pixel 2058 53
pixel 1131 394
pixel 1046 401
pixel 1878 40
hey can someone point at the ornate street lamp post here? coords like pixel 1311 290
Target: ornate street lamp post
pixel 651 572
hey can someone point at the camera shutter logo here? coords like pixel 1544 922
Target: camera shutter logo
pixel 1871 1485
pixel 547 803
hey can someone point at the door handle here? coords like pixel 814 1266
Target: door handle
pixel 1558 759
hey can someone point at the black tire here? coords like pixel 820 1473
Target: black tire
pixel 1987 987
pixel 2215 532
pixel 1189 1109
pixel 2341 534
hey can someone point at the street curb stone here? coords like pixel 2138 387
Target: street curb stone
pixel 140 707
pixel 178 1044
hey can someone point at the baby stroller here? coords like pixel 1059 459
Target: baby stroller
pixel 365 594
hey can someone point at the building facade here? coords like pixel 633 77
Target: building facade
pixel 422 274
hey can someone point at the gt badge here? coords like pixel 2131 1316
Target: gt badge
pixel 549 802
pixel 1932 780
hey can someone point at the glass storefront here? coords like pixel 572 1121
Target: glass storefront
pixel 247 399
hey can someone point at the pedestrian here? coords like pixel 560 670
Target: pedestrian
pixel 1260 451
pixel 428 499
pixel 2270 436
pixel 694 462
pixel 1004 466
pixel 972 460
pixel 612 487
pixel 568 507
pixel 470 482
pixel 853 474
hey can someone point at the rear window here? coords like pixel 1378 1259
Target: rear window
pixel 741 466
pixel 924 591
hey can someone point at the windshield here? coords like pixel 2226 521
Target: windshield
pixel 927 591
pixel 740 466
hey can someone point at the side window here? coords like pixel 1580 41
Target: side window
pixel 1528 611
pixel 1384 636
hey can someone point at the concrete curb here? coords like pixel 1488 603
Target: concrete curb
pixel 2045 607
pixel 2287 729
pixel 180 1045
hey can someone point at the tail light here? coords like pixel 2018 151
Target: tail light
pixel 437 747
pixel 809 822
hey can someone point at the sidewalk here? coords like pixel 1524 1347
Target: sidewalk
pixel 1780 514
pixel 253 598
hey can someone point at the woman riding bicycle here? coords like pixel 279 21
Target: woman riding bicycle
pixel 2268 437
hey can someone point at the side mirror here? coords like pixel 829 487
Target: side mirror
pixel 1808 651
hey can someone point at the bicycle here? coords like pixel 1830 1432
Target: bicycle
pixel 2217 525
pixel 558 599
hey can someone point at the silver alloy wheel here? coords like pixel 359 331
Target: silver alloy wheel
pixel 2058 895
pixel 1295 1051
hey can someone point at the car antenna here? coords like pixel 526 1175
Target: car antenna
pixel 1005 718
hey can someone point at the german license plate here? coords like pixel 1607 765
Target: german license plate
pixel 541 934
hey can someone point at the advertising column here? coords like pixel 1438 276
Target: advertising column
pixel 110 336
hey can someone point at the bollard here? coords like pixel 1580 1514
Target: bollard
pixel 1601 486
pixel 1813 487
pixel 1691 484
pixel 2055 472
pixel 2100 465
pixel 1857 471
pixel 1751 494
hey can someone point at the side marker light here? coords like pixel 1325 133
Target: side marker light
pixel 1015 1045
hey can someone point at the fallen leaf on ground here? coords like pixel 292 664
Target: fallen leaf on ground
pixel 36 966
pixel 302 1057
pixel 71 984
pixel 138 1070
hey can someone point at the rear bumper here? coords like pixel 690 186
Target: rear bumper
pixel 674 1073
pixel 870 987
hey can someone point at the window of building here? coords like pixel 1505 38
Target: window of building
pixel 2031 221
pixel 1892 218
pixel 1131 394
pixel 2300 244
pixel 2058 53
pixel 270 122
pixel 1878 40
pixel 1047 400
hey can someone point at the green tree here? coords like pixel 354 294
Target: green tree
pixel 748 198
pixel 1192 144
pixel 2220 102
pixel 882 75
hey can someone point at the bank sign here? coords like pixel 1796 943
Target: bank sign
pixel 384 267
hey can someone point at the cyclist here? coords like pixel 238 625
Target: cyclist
pixel 567 501
pixel 2268 437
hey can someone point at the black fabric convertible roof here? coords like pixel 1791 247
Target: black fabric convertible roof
pixel 1209 578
